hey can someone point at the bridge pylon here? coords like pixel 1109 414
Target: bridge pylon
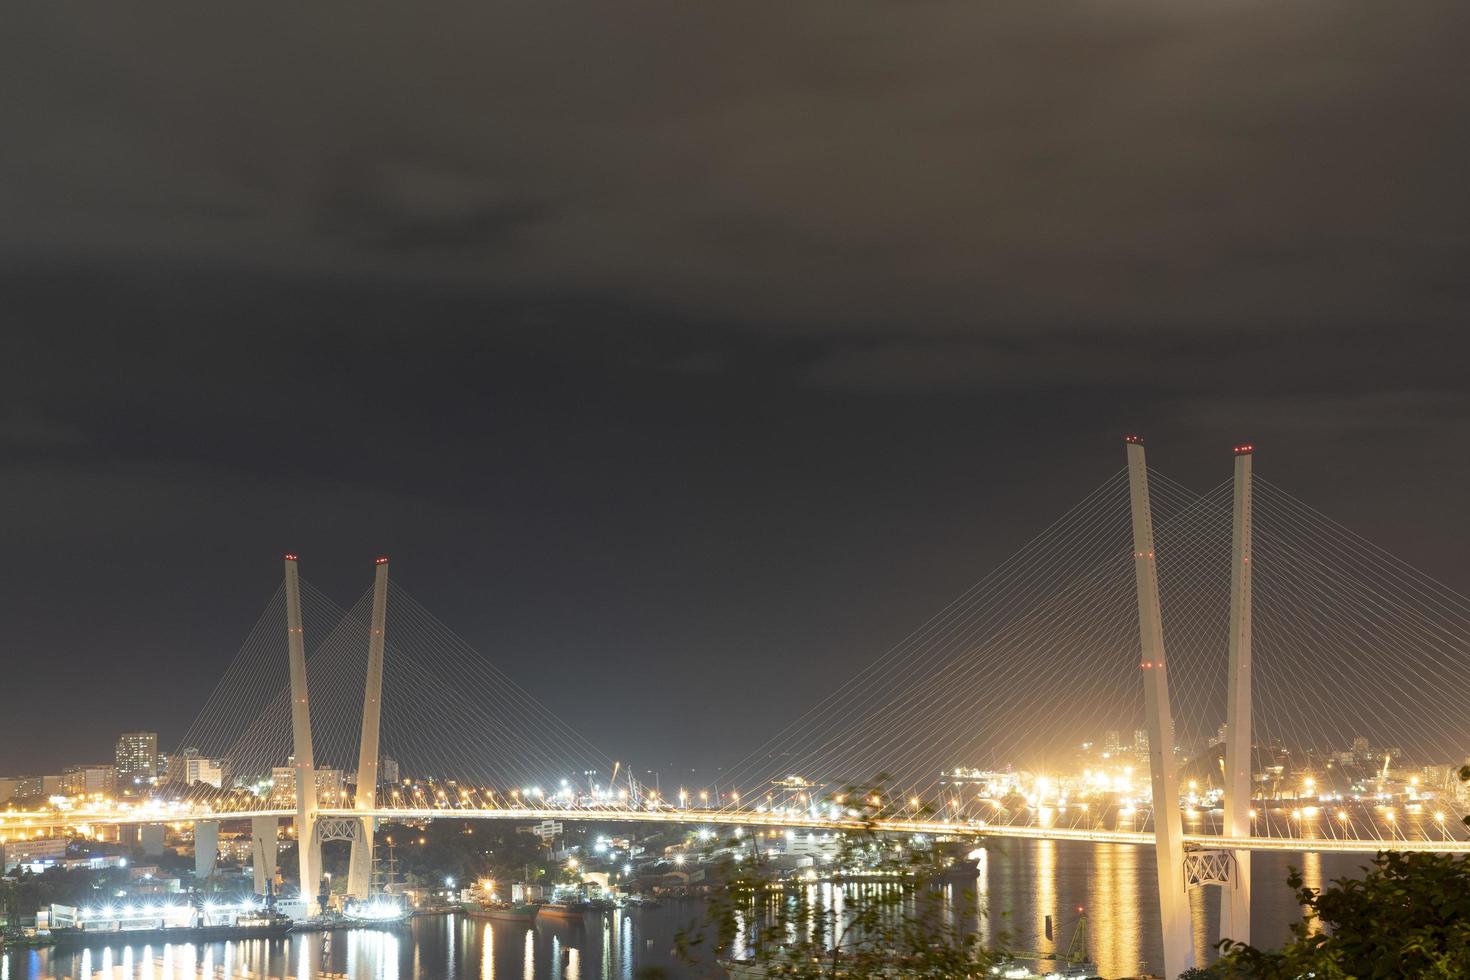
pixel 1168 826
pixel 1235 902
pixel 360 871
pixel 307 848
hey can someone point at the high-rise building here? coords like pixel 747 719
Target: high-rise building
pixel 137 757
pixel 1112 742
pixel 86 780
pixel 283 786
pixel 1140 741
pixel 387 771
pixel 329 786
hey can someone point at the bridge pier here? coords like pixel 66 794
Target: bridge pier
pixel 263 850
pixel 206 848
pixel 150 835
pixel 360 870
pixel 1168 825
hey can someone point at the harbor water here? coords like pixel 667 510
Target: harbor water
pixel 1020 884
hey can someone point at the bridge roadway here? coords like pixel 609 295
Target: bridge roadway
pixel 742 818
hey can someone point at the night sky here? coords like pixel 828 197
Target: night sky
pixel 684 355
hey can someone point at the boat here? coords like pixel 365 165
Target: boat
pixel 206 922
pixel 1075 962
pixel 567 911
pixel 440 909
pixel 373 914
pixel 960 869
pixel 504 912
pixel 263 925
pixel 381 910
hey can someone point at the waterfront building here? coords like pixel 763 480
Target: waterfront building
pixel 45 852
pixel 547 830
pixel 991 784
pixel 807 843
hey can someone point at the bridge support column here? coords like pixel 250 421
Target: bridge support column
pixel 360 871
pixel 1168 826
pixel 206 848
pixel 1235 901
pixel 263 850
pixel 308 853
pixel 151 837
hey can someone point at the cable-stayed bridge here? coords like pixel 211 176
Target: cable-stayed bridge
pixel 1209 674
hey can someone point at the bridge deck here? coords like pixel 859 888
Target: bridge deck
pixel 726 818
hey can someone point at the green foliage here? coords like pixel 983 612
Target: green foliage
pixel 890 922
pixel 1409 916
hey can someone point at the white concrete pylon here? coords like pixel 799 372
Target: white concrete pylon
pixel 360 870
pixel 1168 826
pixel 1235 902
pixel 306 807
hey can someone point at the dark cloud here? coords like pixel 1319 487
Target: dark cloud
pixel 945 166
pixel 717 333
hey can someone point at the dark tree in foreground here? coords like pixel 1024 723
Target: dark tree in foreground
pixel 1409 916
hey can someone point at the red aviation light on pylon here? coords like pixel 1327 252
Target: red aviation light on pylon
pixel 289 556
pixel 381 560
pixel 1133 440
pixel 1245 449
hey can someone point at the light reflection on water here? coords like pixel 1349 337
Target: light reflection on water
pixel 1020 883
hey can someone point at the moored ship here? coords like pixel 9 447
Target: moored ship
pixel 128 924
pixel 504 912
